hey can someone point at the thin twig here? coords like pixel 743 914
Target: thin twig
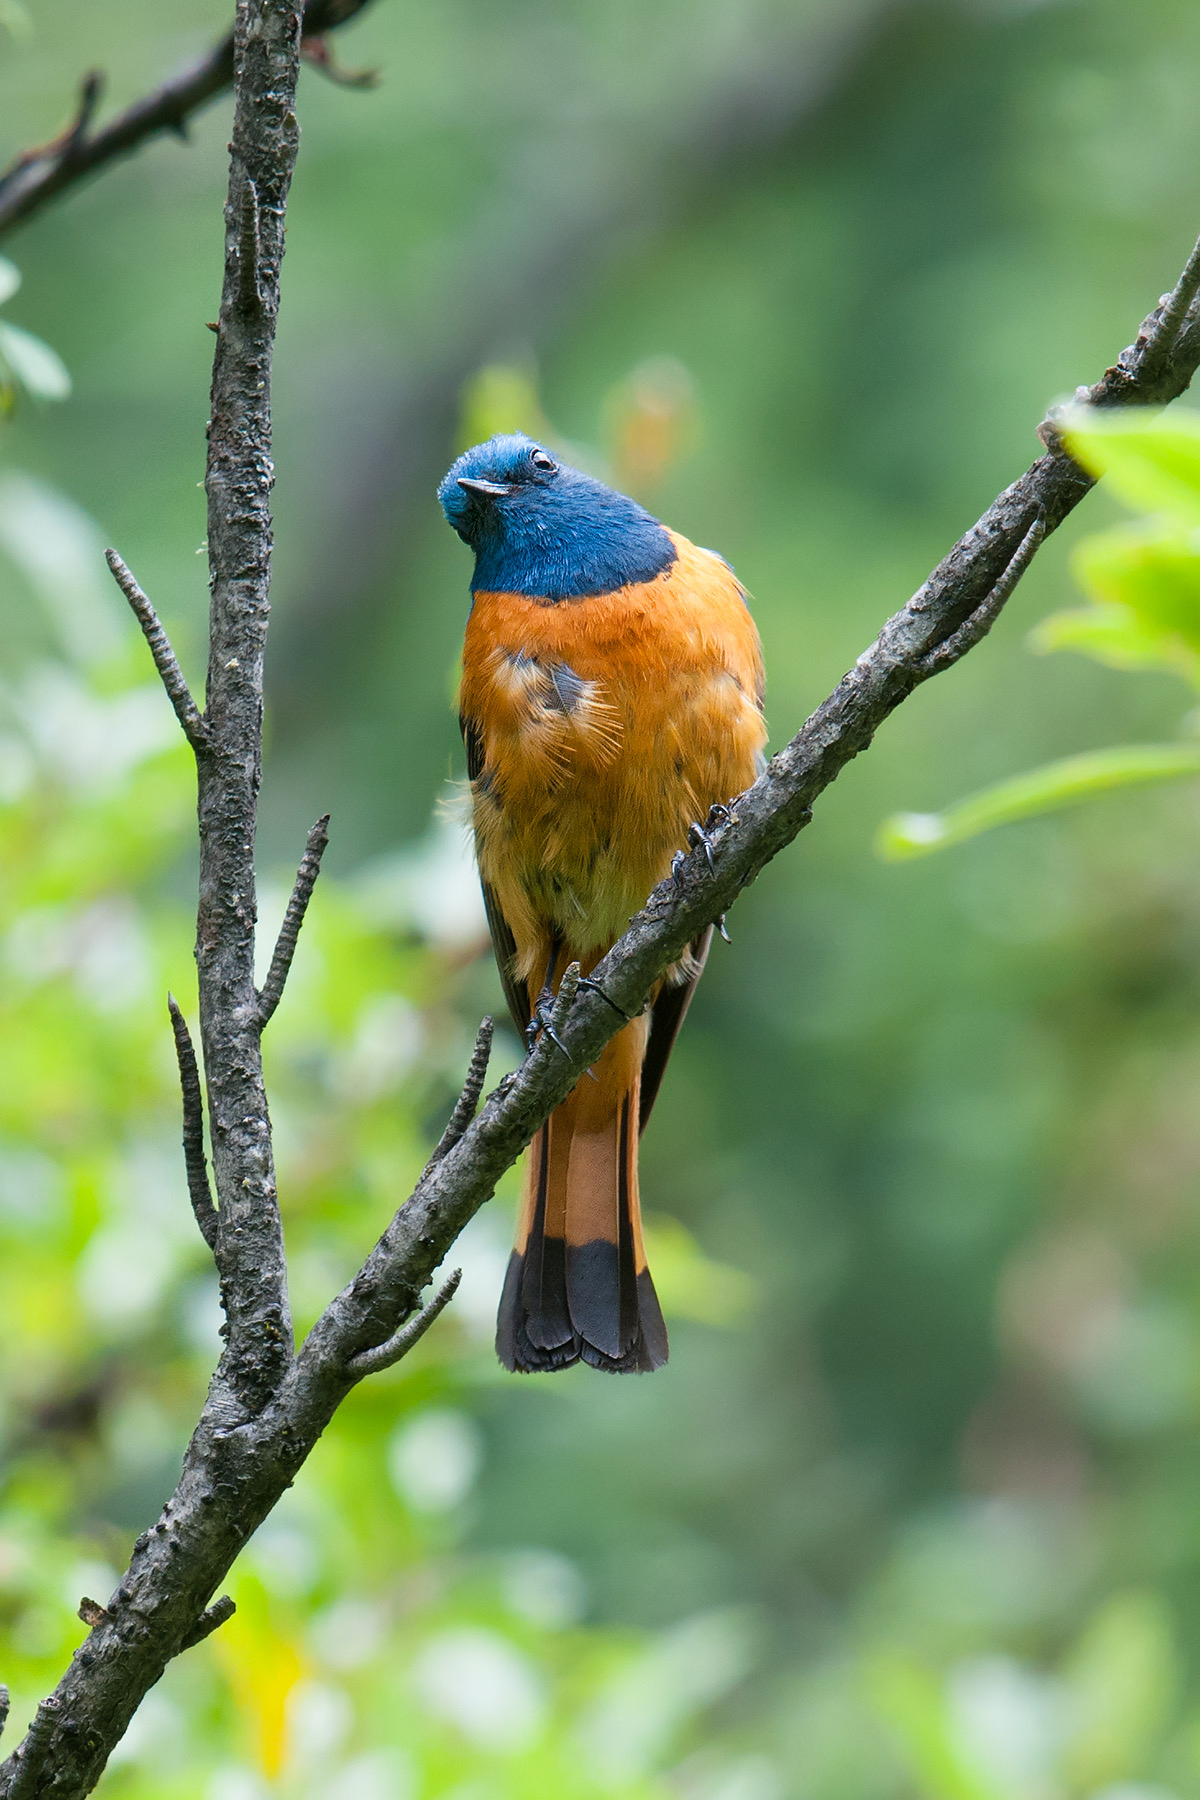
pixel 975 628
pixel 371 1362
pixel 466 1104
pixel 195 1161
pixel 36 177
pixel 90 90
pixel 1174 309
pixel 209 1621
pixel 319 56
pixel 186 711
pixel 285 945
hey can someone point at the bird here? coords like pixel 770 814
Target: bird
pixel 611 698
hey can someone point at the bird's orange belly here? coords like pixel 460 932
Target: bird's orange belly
pixel 604 738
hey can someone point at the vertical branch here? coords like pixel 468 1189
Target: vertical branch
pixel 238 483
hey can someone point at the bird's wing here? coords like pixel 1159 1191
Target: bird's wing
pixel 666 1016
pixel 504 945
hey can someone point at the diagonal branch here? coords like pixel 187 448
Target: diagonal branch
pixel 38 176
pixel 285 945
pixel 178 692
pixel 944 618
pixel 195 1161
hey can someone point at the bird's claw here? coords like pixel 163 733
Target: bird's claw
pixel 719 922
pixel 719 814
pixel 699 837
pixel 677 862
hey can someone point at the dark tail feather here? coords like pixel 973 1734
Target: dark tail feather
pixel 580 1290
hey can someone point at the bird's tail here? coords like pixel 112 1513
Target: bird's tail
pixel 577 1286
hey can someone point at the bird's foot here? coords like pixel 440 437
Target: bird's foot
pixel 719 922
pixel 719 814
pixel 543 1021
pixel 699 839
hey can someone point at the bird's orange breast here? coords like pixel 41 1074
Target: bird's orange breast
pixel 607 724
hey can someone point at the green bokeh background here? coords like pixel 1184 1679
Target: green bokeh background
pixel 912 1514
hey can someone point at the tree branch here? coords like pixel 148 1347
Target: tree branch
pixel 186 711
pixel 238 481
pixel 293 919
pixel 38 176
pixel 159 1607
pixel 939 624
pixel 267 1407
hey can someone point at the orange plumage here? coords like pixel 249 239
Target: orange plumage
pixel 599 727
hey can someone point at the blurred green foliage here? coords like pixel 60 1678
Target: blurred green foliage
pixel 26 364
pixel 911 1514
pixel 1143 581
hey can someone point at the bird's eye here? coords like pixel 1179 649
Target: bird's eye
pixel 540 460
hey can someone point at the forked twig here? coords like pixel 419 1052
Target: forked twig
pixel 210 1619
pixel 271 991
pixel 372 1362
pixel 186 711
pixel 468 1099
pixel 1175 307
pixel 37 176
pixel 195 1161
pixel 976 627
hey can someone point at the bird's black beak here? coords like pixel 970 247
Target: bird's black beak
pixel 485 488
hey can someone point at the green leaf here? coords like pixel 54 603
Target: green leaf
pixel 1145 587
pixel 910 1698
pixel 38 368
pixel 10 279
pixel 1044 790
pixel 1152 461
pixel 1123 1677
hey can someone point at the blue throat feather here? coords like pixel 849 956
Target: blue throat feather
pixel 547 531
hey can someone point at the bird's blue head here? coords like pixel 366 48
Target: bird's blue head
pixel 541 528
